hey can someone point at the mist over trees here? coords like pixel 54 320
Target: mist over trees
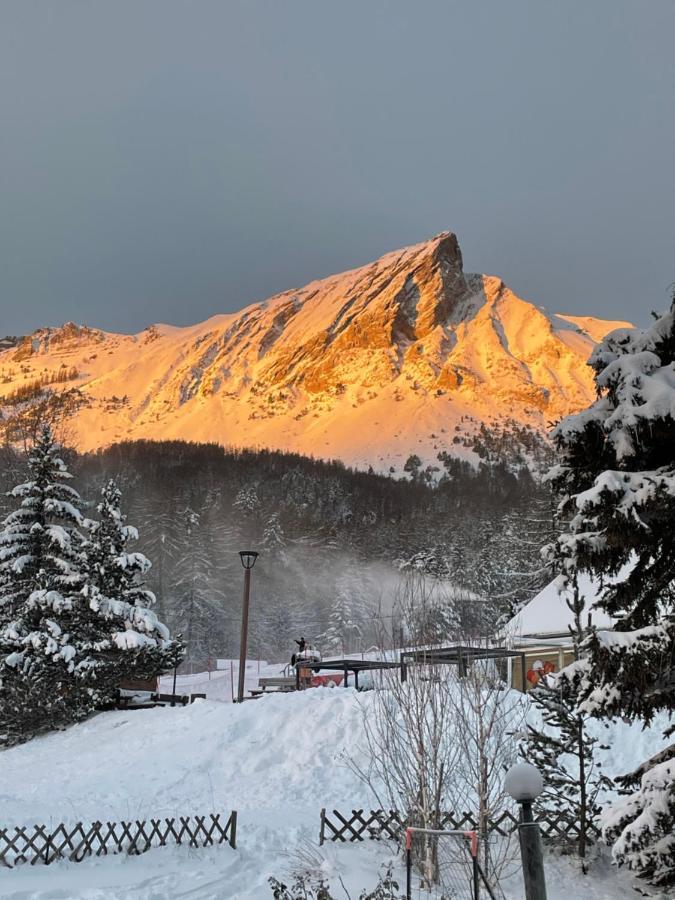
pixel 332 541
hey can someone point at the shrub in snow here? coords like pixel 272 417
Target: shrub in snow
pixel 68 630
pixel 617 480
pixel 313 886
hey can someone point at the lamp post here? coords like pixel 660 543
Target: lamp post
pixel 524 783
pixel 248 558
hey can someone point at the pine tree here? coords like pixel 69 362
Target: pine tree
pixel 273 540
pixel 344 623
pixel 201 620
pixel 41 563
pixel 247 507
pixel 160 526
pixel 617 479
pixel 64 644
pixel 516 549
pixel 563 750
pixel 111 568
pixel 350 613
pixel 137 645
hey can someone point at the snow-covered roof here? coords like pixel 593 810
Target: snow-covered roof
pixel 548 614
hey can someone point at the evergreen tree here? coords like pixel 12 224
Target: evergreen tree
pixel 345 622
pixel 160 527
pixel 111 568
pixel 137 644
pixel 246 506
pixel 351 611
pixel 273 540
pixel 516 548
pixel 63 644
pixel 200 618
pixel 563 750
pixel 41 563
pixel 617 479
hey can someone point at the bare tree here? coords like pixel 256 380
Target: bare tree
pixel 409 727
pixel 488 718
pixel 440 741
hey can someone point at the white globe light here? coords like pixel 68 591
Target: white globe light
pixel 524 782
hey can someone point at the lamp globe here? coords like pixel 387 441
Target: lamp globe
pixel 524 782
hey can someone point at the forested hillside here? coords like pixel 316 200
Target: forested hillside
pixel 334 543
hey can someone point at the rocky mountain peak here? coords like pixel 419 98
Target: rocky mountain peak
pixel 404 355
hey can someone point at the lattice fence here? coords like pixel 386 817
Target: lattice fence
pixel 380 823
pixel 38 844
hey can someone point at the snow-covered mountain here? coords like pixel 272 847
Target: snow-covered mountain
pixel 403 356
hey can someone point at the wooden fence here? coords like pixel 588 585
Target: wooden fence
pixel 38 844
pixel 380 823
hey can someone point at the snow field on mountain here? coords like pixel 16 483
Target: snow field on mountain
pixel 276 761
pixel 397 357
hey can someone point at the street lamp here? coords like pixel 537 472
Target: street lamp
pixel 248 558
pixel 525 783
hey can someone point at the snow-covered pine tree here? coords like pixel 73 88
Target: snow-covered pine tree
pixel 131 642
pixel 350 611
pixel 515 552
pixel 563 749
pixel 111 567
pixel 64 645
pixel 159 523
pixel 344 629
pixel 273 540
pixel 41 577
pixel 199 612
pixel 246 506
pixel 617 479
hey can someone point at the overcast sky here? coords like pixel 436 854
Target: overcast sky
pixel 165 160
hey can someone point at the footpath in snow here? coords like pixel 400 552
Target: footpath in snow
pixel 276 760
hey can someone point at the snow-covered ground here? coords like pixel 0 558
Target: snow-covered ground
pixel 221 683
pixel 275 760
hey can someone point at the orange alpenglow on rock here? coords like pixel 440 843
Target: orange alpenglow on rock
pixel 406 355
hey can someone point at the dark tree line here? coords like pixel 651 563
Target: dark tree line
pixel 331 540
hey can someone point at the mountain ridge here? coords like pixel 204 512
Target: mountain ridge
pixel 369 366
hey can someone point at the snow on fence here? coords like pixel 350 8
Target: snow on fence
pixel 380 823
pixel 42 845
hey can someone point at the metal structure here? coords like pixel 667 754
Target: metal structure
pixel 446 862
pixel 345 666
pixel 460 655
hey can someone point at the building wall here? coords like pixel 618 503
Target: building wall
pixel 559 656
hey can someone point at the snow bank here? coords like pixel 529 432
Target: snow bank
pixel 275 760
pixel 277 752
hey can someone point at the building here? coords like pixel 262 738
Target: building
pixel 541 629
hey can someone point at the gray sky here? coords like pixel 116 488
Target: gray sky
pixel 165 160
